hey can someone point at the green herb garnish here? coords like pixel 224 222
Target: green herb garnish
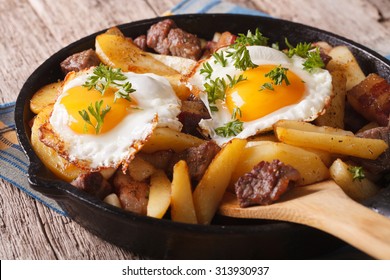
pixel 301 49
pixel 241 57
pixel 219 58
pixel 250 39
pixel 268 86
pixel 207 69
pixel 278 75
pixel 215 91
pixel 232 128
pixel 313 61
pixel 233 81
pixel 96 113
pixel 357 172
pixel 105 77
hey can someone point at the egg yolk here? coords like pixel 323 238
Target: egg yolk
pixel 255 102
pixel 79 98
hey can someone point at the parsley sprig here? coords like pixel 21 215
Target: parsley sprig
pixel 219 58
pixel 251 39
pixel 207 69
pixel 235 80
pixel 241 57
pixel 357 172
pixel 308 51
pixel 277 75
pixel 97 113
pixel 232 128
pixel 215 90
pixel 105 77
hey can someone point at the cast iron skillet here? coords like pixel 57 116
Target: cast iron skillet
pixel 226 238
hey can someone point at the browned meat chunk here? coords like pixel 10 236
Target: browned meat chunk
pixel 93 183
pixel 157 36
pixel 191 114
pixel 197 158
pixel 265 183
pixel 80 61
pixel 184 44
pixel 371 98
pixel 165 38
pixel 380 165
pixel 159 159
pixel 132 194
pixel 140 41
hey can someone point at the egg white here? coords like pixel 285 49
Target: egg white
pixel 318 92
pixel 157 105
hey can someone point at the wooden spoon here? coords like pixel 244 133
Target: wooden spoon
pixel 326 207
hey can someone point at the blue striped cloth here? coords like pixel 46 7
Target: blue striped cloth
pixel 13 162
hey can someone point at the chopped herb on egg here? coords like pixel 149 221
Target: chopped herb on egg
pixel 215 91
pixel 308 51
pixel 278 75
pixel 104 77
pixel 241 57
pixel 219 58
pixel 207 69
pixel 96 113
pixel 236 111
pixel 251 39
pixel 233 81
pixel 232 128
pixel 357 172
pixel 268 86
pixel 313 61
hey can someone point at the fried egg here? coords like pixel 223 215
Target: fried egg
pixel 126 126
pixel 305 98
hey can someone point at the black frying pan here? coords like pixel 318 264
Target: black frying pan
pixel 226 238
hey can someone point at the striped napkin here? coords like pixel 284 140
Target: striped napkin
pixel 14 163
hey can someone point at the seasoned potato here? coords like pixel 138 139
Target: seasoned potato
pixel 356 189
pixel 343 60
pixel 120 52
pixel 334 115
pixel 309 164
pixel 44 97
pixel 209 191
pixel 180 64
pixel 140 169
pixel 50 158
pixel 333 142
pixel 166 138
pixel 182 205
pixel 113 200
pixel 159 195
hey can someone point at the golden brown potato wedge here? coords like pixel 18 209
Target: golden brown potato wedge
pixel 182 205
pixel 209 191
pixel 159 195
pixel 309 164
pixel 44 97
pixel 120 52
pixel 50 158
pixel 356 189
pixel 333 141
pixel 166 139
pixel 334 114
pixel 345 61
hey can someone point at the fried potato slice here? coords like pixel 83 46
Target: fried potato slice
pixel 166 139
pixel 209 191
pixel 159 195
pixel 344 60
pixel 182 205
pixel 120 52
pixel 309 164
pixel 44 97
pixel 50 158
pixel 333 140
pixel 113 200
pixel 334 114
pixel 356 189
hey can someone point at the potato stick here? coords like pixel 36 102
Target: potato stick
pixel 182 205
pixel 209 192
pixel 159 195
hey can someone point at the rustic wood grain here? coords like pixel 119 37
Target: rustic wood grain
pixel 32 30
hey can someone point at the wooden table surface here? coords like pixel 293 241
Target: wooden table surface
pixel 32 30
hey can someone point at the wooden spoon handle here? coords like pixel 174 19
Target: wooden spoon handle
pixel 357 225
